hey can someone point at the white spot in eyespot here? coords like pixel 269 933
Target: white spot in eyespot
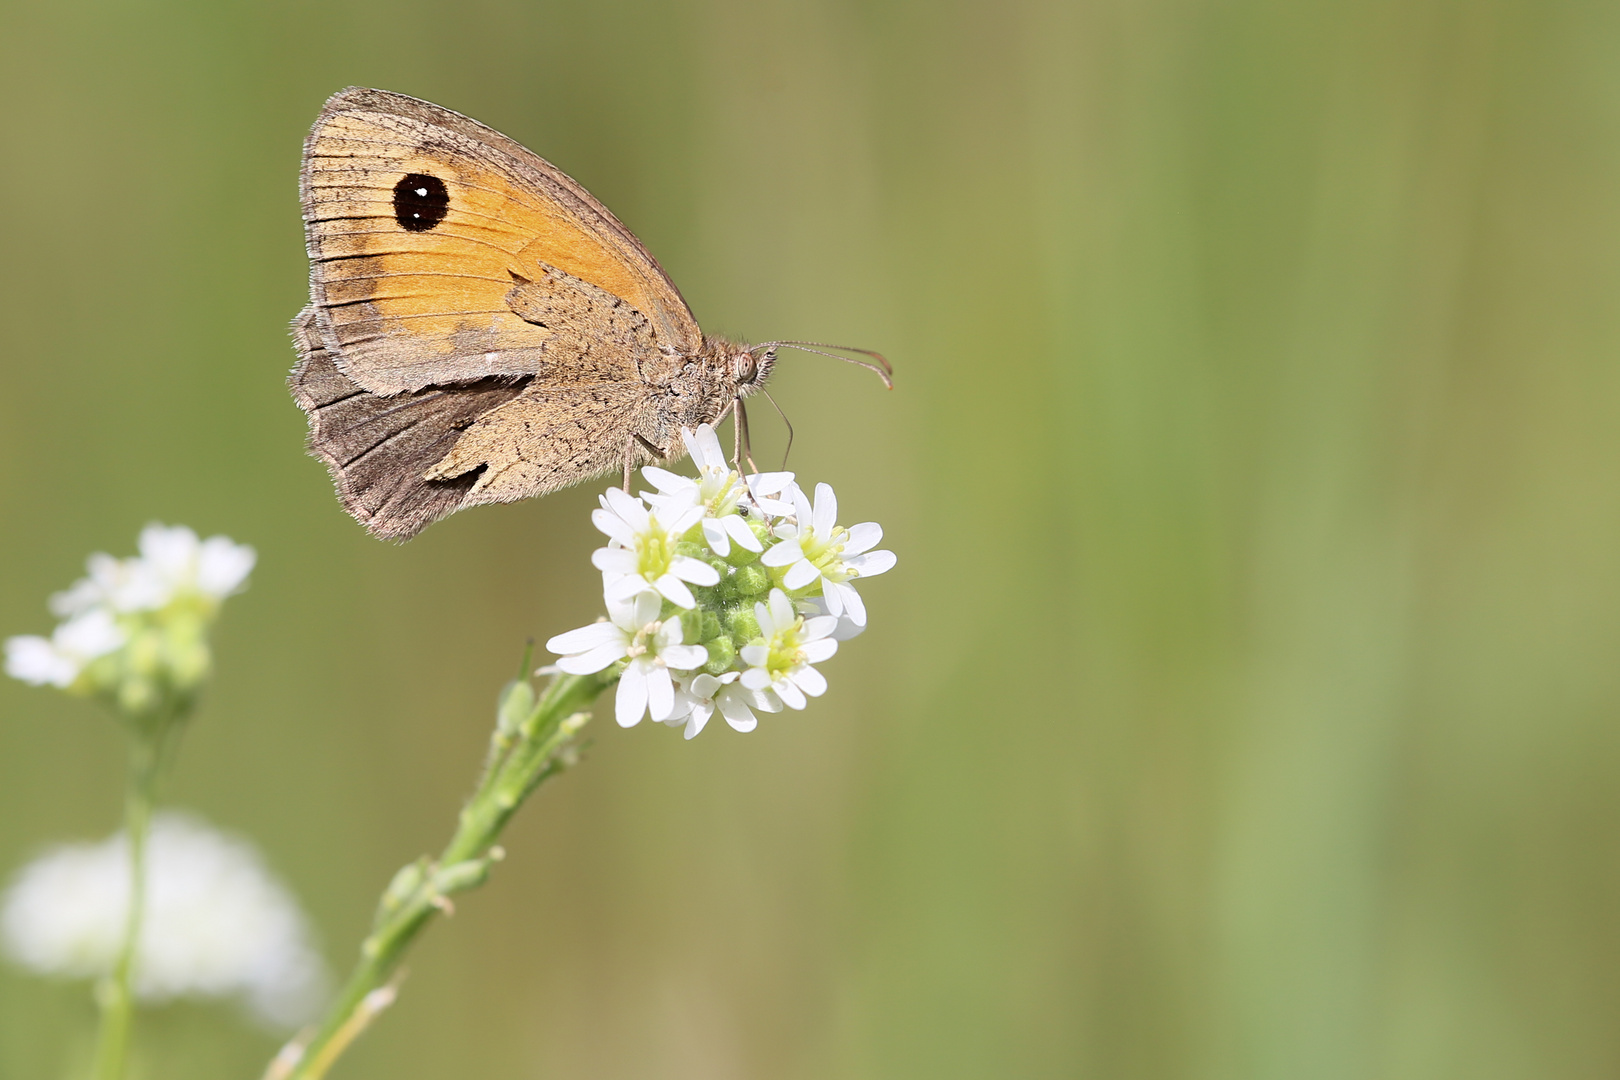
pixel 422 191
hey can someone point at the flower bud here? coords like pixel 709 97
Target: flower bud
pixel 722 652
pixel 515 705
pixel 743 625
pixel 400 889
pixel 751 581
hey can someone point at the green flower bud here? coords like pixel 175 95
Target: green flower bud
pixel 722 652
pixel 743 625
pixel 693 550
pixel 460 876
pixel 751 582
pixel 404 885
pixel 514 706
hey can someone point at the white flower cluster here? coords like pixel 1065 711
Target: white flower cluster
pixel 132 627
pixel 217 922
pixel 722 592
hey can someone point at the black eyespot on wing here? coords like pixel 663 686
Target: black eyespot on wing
pixel 420 202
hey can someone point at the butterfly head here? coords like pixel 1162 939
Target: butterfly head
pixel 752 366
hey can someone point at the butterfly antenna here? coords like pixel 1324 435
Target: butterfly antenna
pixel 785 421
pixel 882 368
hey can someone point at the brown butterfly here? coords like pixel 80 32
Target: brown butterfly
pixel 480 329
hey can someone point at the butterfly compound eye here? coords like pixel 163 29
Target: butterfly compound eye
pixel 420 202
pixel 745 367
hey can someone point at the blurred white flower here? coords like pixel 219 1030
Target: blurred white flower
pixel 218 923
pixel 640 556
pixel 652 646
pixel 57 660
pixel 172 563
pixel 214 568
pixel 699 696
pixel 779 660
pixel 813 547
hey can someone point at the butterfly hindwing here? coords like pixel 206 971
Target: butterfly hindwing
pixel 379 449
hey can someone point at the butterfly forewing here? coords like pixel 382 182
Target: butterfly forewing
pixel 407 299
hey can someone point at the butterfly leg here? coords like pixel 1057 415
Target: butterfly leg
pixel 743 449
pixel 630 455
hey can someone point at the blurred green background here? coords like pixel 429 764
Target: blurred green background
pixel 1243 704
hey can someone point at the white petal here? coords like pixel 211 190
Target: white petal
pixel 801 507
pixel 660 693
pixel 715 534
pixel 847 628
pixel 614 526
pixel 854 606
pixel 683 521
pixel 77 598
pixel 586 637
pixel 705 686
pixel 33 660
pixel 825 518
pixel 801 574
pixel 705 448
pixel 592 660
pixel 223 566
pixel 737 713
pixel 754 655
pixel 670 633
pixel 615 560
pixel 809 680
pixel 816 652
pixel 818 626
pixel 782 613
pixel 622 589
pixel 791 695
pixel 862 537
pixel 675 591
pixel 697 718
pixel 756 678
pixel 768 483
pixel 666 481
pixel 740 532
pixel 763 700
pixel 631 701
pixel 89 635
pixel 171 551
pixel 628 507
pixel 646 609
pixel 872 563
pixel 783 553
pixel 684 657
pixel 767 626
pixel 696 571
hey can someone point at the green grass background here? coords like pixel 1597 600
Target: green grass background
pixel 1243 706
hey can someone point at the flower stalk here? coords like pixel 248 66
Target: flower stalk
pixel 533 741
pixel 116 993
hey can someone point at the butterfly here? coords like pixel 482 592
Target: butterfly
pixel 480 329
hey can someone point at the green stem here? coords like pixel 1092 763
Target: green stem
pixel 116 992
pixel 519 763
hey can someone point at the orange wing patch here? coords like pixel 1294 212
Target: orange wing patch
pixel 406 309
